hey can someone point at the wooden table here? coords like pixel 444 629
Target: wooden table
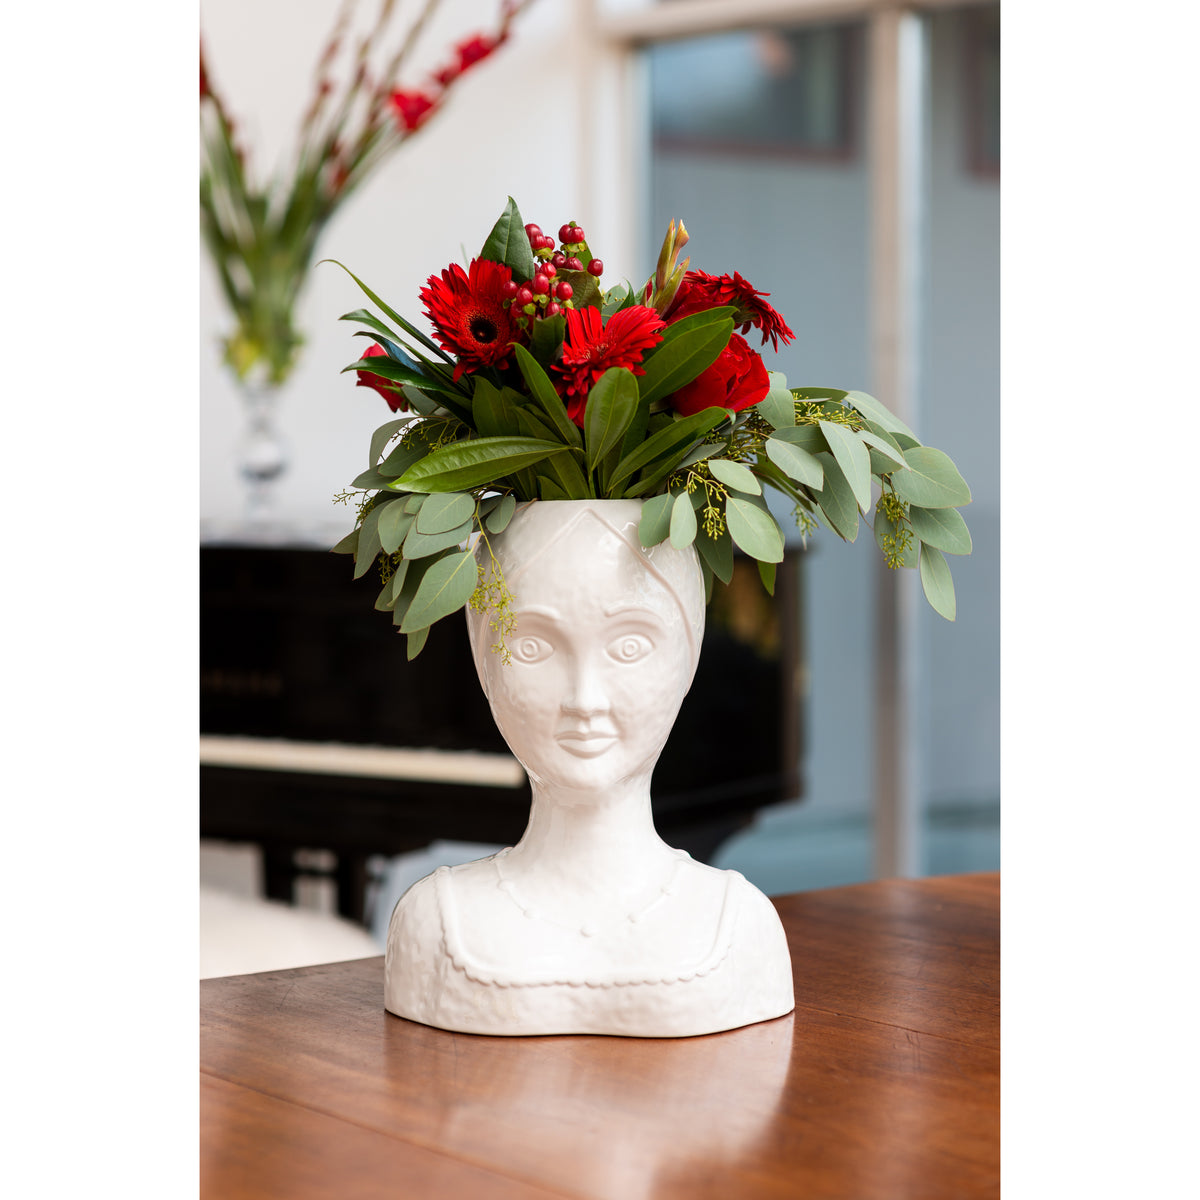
pixel 884 1082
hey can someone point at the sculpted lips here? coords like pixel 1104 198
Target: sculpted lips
pixel 586 743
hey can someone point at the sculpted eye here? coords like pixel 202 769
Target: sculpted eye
pixel 630 647
pixel 530 649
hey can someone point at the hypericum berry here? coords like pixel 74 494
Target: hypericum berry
pixel 596 267
pixel 510 289
pixel 558 258
pixel 540 285
pixel 564 232
pixel 547 242
pixel 548 269
pixel 533 231
pixel 553 308
pixel 564 290
pixel 573 264
pixel 524 297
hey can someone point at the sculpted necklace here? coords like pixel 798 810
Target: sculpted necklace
pixel 589 928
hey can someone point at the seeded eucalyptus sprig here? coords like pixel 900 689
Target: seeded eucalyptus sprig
pixel 454 469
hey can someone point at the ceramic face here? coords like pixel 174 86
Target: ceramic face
pixel 602 657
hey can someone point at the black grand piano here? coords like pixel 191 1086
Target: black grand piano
pixel 317 734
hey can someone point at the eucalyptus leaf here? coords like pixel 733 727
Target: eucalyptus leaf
pixel 370 480
pixel 368 542
pixel 444 589
pixel 348 544
pixel 401 458
pixel 414 502
pixel 931 481
pixel 937 582
pixel 655 523
pixel 383 435
pixel 885 457
pixel 735 475
pixel 795 462
pixel 766 572
pixel 852 457
pixel 778 408
pixel 717 553
pixel 683 521
pixel 836 499
pixel 415 642
pixel 753 529
pixel 497 520
pixel 942 528
pixel 807 436
pixel 402 591
pixel 508 243
pixel 446 510
pixel 699 454
pixel 394 524
pixel 474 463
pixel 422 545
pixel 873 410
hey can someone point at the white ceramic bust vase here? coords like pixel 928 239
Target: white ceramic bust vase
pixel 591 923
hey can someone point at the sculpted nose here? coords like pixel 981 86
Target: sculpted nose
pixel 586 695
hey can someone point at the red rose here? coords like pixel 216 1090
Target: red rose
pixel 390 391
pixel 735 381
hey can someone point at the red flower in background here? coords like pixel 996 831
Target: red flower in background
pixel 735 381
pixel 411 108
pixel 390 391
pixel 470 314
pixel 699 292
pixel 592 347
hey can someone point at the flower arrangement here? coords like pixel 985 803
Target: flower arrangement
pixel 539 385
pixel 261 237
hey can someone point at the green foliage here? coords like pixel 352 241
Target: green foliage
pixel 456 470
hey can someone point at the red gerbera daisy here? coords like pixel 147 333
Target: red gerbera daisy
pixel 699 292
pixel 470 314
pixel 592 347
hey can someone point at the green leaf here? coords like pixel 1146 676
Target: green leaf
pixel 422 545
pixel 401 459
pixel 884 528
pixel 754 530
pixel 807 437
pixel 508 243
pixel 931 481
pixel 414 502
pixel 943 528
pixel 735 475
pixel 394 524
pixel 368 542
pixel 937 583
pixel 416 642
pixel 766 572
pixel 471 464
pixel 370 480
pixel 796 462
pixel 444 589
pixel 497 520
pixel 688 347
pixel 348 544
pixel 404 584
pixel 871 408
pixel 389 368
pixel 551 489
pixel 675 439
pixel 837 500
pixel 615 299
pixel 547 398
pixel 585 289
pixel 383 435
pixel 852 457
pixel 777 406
pixel 447 510
pixel 611 406
pixel 717 553
pixel 885 456
pixel 547 337
pixel 655 523
pixel 699 454
pixel 683 521
pixel 494 411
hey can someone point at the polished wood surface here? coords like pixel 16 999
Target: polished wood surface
pixel 884 1082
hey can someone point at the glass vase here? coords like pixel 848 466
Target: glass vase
pixel 262 457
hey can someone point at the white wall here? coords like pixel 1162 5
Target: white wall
pixel 511 127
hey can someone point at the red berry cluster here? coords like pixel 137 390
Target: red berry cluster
pixel 544 295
